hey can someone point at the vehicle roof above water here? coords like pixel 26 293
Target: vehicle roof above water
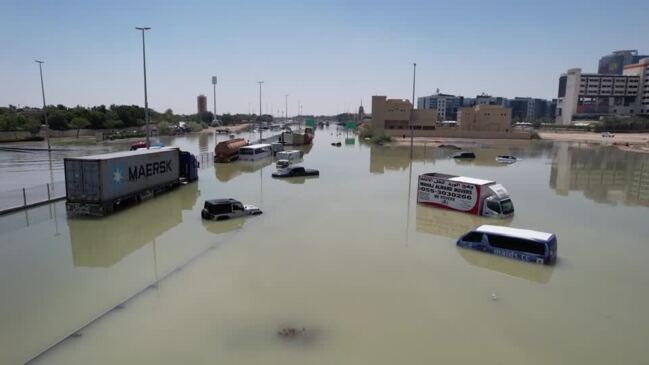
pixel 462 179
pixel 259 145
pixel 514 232
pixel 139 152
pixel 221 201
pixel 471 180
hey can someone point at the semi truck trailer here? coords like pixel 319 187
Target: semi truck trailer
pixel 97 185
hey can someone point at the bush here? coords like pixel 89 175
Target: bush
pixel 381 139
pixel 195 127
pixel 164 128
pixel 623 124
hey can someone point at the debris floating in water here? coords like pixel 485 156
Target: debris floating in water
pixel 290 332
pixel 494 296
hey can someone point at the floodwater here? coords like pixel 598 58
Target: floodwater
pixel 372 277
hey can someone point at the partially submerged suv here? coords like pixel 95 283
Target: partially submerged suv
pixel 221 209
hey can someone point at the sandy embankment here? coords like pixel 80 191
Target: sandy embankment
pixel 636 142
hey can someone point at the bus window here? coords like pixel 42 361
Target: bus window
pixel 473 237
pixel 516 244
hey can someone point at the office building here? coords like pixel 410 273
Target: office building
pixel 485 118
pixel 526 109
pixel 484 99
pixel 394 116
pixel 590 95
pixel 641 71
pixel 445 104
pixel 614 63
pixel 201 102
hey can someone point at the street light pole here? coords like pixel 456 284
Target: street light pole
pixel 412 132
pixel 47 123
pixel 260 82
pixel 146 100
pixel 214 85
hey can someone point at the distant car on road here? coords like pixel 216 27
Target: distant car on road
pixel 221 209
pixel 295 171
pixel 608 135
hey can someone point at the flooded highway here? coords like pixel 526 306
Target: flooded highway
pixel 372 277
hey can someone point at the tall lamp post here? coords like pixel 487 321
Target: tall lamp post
pixel 146 100
pixel 260 114
pixel 47 123
pixel 214 86
pixel 285 108
pixel 412 132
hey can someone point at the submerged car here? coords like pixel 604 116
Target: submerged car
pixel 293 171
pixel 221 209
pixel 506 159
pixel 464 155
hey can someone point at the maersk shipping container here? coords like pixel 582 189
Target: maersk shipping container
pixel 103 180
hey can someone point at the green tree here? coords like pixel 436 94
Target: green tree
pixel 78 123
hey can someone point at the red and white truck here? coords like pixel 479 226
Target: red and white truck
pixel 464 194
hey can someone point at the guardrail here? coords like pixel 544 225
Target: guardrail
pixel 17 199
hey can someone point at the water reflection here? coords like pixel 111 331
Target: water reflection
pixel 604 174
pixel 524 270
pixel 225 226
pixel 104 242
pixel 397 158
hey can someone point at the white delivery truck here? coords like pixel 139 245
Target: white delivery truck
pixel 464 194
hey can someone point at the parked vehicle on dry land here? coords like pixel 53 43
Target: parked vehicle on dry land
pixel 222 209
pixel 96 185
pixel 520 244
pixel 464 194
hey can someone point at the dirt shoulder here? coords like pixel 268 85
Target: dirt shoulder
pixel 593 137
pixel 632 142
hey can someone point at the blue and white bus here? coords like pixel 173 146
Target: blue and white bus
pixel 515 243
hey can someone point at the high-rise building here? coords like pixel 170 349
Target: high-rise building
pixel 445 104
pixel 640 70
pixel 614 63
pixel 484 99
pixel 201 102
pixel 590 95
pixel 531 109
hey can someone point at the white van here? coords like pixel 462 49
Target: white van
pixel 292 156
pixel 255 152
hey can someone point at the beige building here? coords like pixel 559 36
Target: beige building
pixel 485 118
pixel 393 117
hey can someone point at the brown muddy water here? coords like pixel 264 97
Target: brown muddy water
pixel 372 277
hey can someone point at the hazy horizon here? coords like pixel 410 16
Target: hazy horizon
pixel 326 55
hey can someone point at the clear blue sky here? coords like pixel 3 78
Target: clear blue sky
pixel 327 54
